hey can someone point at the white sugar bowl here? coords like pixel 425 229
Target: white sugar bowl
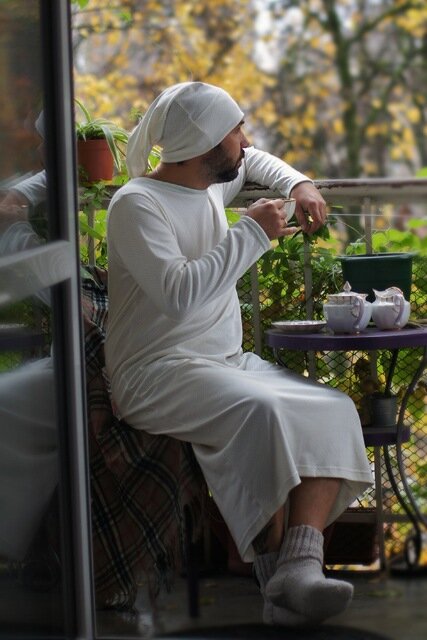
pixel 347 312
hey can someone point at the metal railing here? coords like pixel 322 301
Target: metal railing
pixel 361 199
pixel 365 206
pixel 368 206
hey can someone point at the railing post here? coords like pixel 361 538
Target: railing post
pixel 90 239
pixel 309 304
pixel 367 215
pixel 256 311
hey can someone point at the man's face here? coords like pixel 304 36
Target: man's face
pixel 223 161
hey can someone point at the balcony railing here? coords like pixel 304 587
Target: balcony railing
pixel 364 205
pixel 362 200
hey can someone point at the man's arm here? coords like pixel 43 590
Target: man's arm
pixel 265 169
pixel 16 232
pixel 142 239
pixel 31 191
pixel 14 208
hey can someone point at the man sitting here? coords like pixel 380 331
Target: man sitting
pixel 282 455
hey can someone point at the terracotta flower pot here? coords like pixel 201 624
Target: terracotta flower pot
pixel 95 161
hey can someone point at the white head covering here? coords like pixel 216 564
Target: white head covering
pixel 186 120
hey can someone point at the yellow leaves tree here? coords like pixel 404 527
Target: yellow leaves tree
pixel 131 50
pixel 336 87
pixel 355 63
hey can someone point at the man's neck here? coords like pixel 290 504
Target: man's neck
pixel 187 174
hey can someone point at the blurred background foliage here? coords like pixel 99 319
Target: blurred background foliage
pixel 336 87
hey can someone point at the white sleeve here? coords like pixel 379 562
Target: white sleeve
pixel 267 170
pixel 21 237
pixel 143 241
pixel 33 188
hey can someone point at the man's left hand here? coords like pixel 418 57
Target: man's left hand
pixel 310 208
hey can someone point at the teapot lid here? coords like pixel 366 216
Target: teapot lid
pixel 346 289
pixel 346 295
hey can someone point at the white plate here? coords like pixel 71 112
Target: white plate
pixel 299 326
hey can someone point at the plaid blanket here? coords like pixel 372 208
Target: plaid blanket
pixel 140 484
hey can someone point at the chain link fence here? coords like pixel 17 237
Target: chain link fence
pixel 275 290
pixel 293 280
pixel 30 324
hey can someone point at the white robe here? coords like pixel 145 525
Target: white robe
pixel 28 426
pixel 173 352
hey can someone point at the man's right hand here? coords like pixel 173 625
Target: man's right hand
pixel 271 217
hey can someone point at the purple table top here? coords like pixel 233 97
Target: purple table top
pixel 325 340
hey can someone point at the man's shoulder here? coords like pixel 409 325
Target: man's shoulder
pixel 135 186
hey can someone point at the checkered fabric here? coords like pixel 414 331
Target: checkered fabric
pixel 140 484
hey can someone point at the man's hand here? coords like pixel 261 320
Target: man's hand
pixel 310 209
pixel 271 217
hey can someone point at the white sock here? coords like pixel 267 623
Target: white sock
pixel 299 583
pixel 265 567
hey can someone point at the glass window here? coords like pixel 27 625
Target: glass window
pixel 44 591
pixel 22 127
pixel 30 553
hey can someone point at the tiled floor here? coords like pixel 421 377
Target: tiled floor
pixel 395 608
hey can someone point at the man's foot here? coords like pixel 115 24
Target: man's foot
pixel 299 584
pixel 278 615
pixel 265 567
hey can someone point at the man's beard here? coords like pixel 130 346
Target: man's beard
pixel 220 168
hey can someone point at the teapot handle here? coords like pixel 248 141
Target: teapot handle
pixel 357 311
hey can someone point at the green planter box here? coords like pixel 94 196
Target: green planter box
pixel 378 271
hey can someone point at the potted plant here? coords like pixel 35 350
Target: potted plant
pixel 378 406
pixel 100 146
pixel 383 260
pixel 366 272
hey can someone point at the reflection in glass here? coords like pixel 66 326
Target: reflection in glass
pixel 23 219
pixel 31 601
pixel 22 128
pixel 30 566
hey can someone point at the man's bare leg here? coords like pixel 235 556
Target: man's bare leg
pixel 270 538
pixel 309 503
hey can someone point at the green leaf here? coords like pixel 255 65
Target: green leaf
pixel 85 228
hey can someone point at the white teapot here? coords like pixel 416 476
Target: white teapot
pixel 347 312
pixel 390 310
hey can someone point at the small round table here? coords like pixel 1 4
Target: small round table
pixel 374 340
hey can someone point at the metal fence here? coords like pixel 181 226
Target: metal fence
pixel 293 280
pixel 293 285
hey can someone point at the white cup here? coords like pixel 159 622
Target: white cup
pixel 289 207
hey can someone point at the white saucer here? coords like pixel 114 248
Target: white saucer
pixel 299 326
